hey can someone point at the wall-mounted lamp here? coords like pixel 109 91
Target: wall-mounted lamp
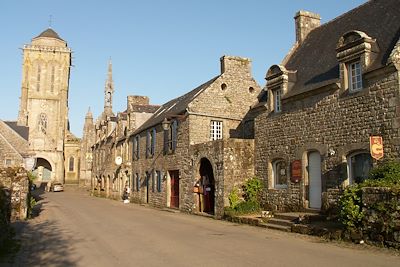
pixel 331 152
pixel 165 124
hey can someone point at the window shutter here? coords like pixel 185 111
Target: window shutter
pixel 138 148
pixel 153 142
pixel 134 148
pixel 174 135
pixel 153 180
pixel 165 142
pixel 147 144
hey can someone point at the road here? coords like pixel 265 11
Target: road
pixel 74 229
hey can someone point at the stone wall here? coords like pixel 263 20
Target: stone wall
pixel 232 162
pixel 381 225
pixel 329 119
pixel 15 182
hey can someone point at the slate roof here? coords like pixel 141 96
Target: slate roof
pixel 49 33
pixel 14 139
pixel 315 59
pixel 23 131
pixel 174 107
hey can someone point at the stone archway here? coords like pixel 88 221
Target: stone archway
pixel 43 170
pixel 207 187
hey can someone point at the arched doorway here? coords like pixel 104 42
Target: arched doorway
pixel 207 184
pixel 43 170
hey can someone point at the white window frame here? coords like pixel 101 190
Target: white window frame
pixel 215 130
pixel 354 74
pixel 277 100
pixel 274 172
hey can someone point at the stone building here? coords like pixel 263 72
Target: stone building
pixel 109 140
pixel 191 152
pixel 337 86
pixel 14 144
pixel 86 151
pixel 44 106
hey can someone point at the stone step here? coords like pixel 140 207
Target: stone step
pixel 281 222
pixel 286 216
pixel 276 227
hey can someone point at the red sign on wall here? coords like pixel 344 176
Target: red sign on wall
pixel 376 147
pixel 296 171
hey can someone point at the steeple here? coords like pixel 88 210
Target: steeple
pixel 108 91
pixel 89 114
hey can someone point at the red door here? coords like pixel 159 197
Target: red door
pixel 174 188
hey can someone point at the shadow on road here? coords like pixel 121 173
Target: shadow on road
pixel 42 242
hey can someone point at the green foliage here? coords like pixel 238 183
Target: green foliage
pixel 251 193
pixel 234 198
pixel 387 215
pixel 252 189
pixel 32 177
pixel 387 173
pixel 32 203
pixel 350 208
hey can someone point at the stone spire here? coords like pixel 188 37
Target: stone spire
pixel 89 114
pixel 108 91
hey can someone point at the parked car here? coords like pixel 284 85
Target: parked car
pixel 57 187
pixel 32 187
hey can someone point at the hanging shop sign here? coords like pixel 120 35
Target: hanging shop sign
pixel 376 147
pixel 296 171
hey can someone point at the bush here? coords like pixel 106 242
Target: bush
pixel 387 173
pixel 350 208
pixel 252 189
pixel 234 198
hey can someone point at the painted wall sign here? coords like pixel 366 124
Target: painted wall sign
pixel 376 147
pixel 296 171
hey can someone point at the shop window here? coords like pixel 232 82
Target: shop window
pixel 279 174
pixel 359 165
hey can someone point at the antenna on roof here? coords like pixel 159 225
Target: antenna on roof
pixel 50 21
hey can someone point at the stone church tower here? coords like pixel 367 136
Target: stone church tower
pixel 44 102
pixel 108 92
pixel 86 150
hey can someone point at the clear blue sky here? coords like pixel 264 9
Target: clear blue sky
pixel 159 48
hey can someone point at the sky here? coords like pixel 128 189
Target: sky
pixel 159 48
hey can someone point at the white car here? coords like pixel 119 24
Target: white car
pixel 57 187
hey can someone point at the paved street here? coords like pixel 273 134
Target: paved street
pixel 74 229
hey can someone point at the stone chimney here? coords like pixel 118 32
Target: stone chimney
pixel 136 100
pixel 305 22
pixel 231 64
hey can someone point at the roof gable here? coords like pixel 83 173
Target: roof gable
pixel 315 59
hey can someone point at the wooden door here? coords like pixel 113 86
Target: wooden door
pixel 174 188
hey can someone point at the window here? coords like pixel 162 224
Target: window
pixel 159 181
pixel 71 164
pixel 359 164
pixel 277 100
pixel 52 79
pixel 38 78
pixel 153 181
pixel 8 162
pixel 279 174
pixel 137 182
pixel 216 130
pixel 135 149
pixel 42 123
pixel 150 143
pixel 355 77
pixel 170 137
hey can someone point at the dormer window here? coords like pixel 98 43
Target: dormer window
pixel 355 76
pixel 356 52
pixel 277 100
